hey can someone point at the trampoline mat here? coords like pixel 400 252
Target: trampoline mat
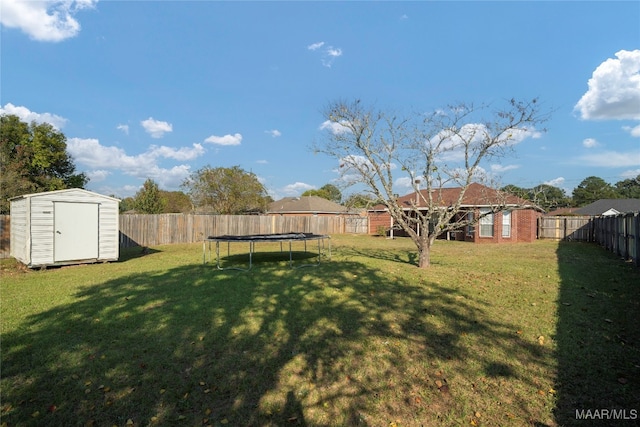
pixel 266 237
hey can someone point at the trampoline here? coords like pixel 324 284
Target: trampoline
pixel 256 238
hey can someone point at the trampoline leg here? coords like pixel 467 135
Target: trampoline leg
pixel 217 255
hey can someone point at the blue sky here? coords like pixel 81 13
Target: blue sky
pixel 159 89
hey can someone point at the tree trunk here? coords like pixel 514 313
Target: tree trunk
pixel 424 251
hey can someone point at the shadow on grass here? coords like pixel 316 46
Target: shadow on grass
pixel 598 337
pixel 128 254
pixel 341 344
pixel 262 258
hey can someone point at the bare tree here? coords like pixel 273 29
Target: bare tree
pixel 431 151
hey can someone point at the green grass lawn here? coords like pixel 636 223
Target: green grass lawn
pixel 490 335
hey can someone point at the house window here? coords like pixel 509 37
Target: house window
pixel 470 226
pixel 486 223
pixel 506 224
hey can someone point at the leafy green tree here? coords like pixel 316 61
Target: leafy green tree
pixel 127 204
pixel 149 200
pixel 591 189
pixel 33 159
pixel 327 191
pixel 226 191
pixel 629 188
pixel 524 193
pixel 549 197
pixel 177 202
pixel 360 201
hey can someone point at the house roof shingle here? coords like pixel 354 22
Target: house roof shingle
pixel 305 204
pixel 603 205
pixel 476 195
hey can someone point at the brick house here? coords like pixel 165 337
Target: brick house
pixel 509 218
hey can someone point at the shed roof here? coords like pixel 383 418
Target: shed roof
pixel 476 195
pixel 61 192
pixel 305 204
pixel 601 206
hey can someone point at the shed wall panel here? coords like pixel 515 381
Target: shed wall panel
pixel 41 231
pixel 20 231
pixel 109 244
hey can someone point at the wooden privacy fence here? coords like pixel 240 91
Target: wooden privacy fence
pixel 566 228
pixel 145 230
pixel 619 234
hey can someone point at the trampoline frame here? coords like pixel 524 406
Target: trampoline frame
pixel 253 239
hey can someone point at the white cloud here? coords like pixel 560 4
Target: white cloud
pixel 315 46
pixel 611 159
pixel 634 131
pixel 630 174
pixel 327 55
pixel 156 128
pixel 181 154
pixel 503 168
pixel 91 153
pixel 262 162
pixel 123 128
pixel 333 52
pixel 614 89
pixel 403 184
pixel 556 182
pixel 98 175
pixel 234 139
pixel 296 189
pixel 29 116
pixel 590 143
pixel 101 159
pixel 48 20
pixel 273 132
pixel 334 128
pixel 451 145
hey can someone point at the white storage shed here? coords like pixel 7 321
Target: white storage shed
pixel 62 227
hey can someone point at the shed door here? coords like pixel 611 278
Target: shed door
pixel 75 231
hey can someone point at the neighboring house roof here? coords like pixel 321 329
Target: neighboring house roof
pixel 476 195
pixel 305 204
pixel 610 207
